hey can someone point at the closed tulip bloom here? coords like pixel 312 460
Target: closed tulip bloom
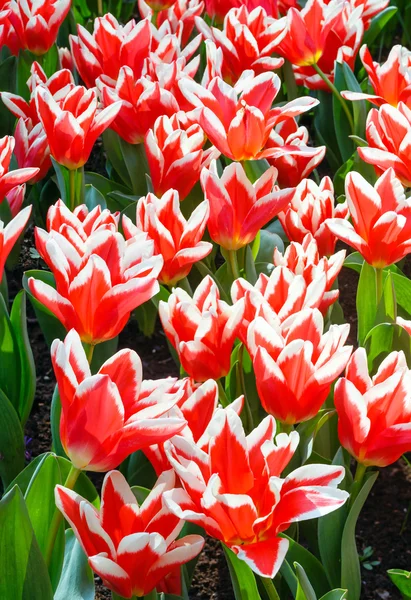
pixel 31 148
pixel 10 233
pixel 304 259
pixel 238 120
pixel 98 282
pixel 310 207
pixel 177 240
pixel 8 35
pixel 233 488
pixel 381 219
pixel 9 179
pixel 15 199
pixel 180 16
pixel 176 155
pixel 73 126
pixel 238 208
pixel 295 363
pixel 391 80
pixel 37 23
pixel 389 141
pixel 202 329
pixel 374 414
pixel 103 420
pixel 139 551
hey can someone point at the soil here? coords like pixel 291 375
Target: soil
pixel 381 525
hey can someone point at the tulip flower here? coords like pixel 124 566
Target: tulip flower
pixel 247 41
pixel 175 154
pixel 110 47
pixel 37 23
pixel 391 81
pixel 77 225
pixel 238 208
pixel 295 363
pixel 233 488
pixel 293 157
pixel 319 35
pixel 10 179
pixel 31 148
pixel 177 240
pixel 8 35
pixel 98 282
pixel 304 259
pixel 15 199
pixel 374 414
pixel 179 17
pixel 73 126
pixel 381 219
pixel 238 120
pixel 388 138
pixel 66 59
pixel 10 233
pixel 138 552
pixel 202 329
pixel 159 5
pixel 308 211
pixel 370 9
pixel 103 420
pixel 142 102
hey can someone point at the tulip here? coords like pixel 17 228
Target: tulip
pixel 15 199
pixel 142 102
pixel 177 240
pixel 10 233
pixel 308 211
pixel 138 552
pixel 391 81
pixel 388 140
pixel 238 120
pixel 159 5
pixel 103 419
pixel 179 17
pixel 295 363
pixel 304 259
pixel 73 126
pixel 98 282
pixel 66 59
pixel 31 149
pixel 8 35
pixel 202 329
pixel 247 41
pixel 381 217
pixel 175 154
pixel 238 208
pixel 374 414
pixel 76 226
pixel 293 157
pixel 10 179
pixel 370 9
pixel 233 488
pixel 37 23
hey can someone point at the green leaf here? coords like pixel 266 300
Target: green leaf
pixel 254 169
pixel 314 570
pixel 305 590
pixel 290 577
pixel 377 24
pixel 77 581
pixel 146 316
pixel 383 339
pixel 18 320
pixel 23 572
pixel 350 564
pixel 250 270
pixel 341 124
pixel 51 61
pixel 337 594
pixel 138 470
pixel 8 84
pixel 359 107
pixel 402 286
pixel 63 181
pixel 309 430
pixel 55 415
pixel 103 185
pixel 401 579
pixel 93 197
pixel 268 242
pixel 11 442
pixel 141 493
pixel 10 376
pixel 366 302
pixel 112 146
pixel 242 577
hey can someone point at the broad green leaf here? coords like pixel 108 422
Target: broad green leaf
pixel 338 594
pixel 135 160
pixel 402 286
pixel 50 61
pixel 77 581
pixel 309 430
pixel 242 577
pixel 250 271
pixel 341 124
pixel 383 339
pixel 10 375
pixel 55 415
pixel 401 579
pixel 326 134
pixel 141 493
pixel 23 572
pixel 138 470
pixel 103 185
pixel 8 84
pixel 268 242
pixel 290 577
pixel 387 308
pixel 359 107
pixel 93 197
pixel 255 168
pixel 378 23
pixel 350 564
pixel 146 317
pixel 11 442
pixel 366 302
pixel 305 590
pixel 111 142
pixel 103 352
pixel 314 570
pixel 63 181
pixel 24 477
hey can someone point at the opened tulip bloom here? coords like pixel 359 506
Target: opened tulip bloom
pixel 31 148
pixel 202 329
pixel 374 414
pixel 10 179
pixel 234 491
pixel 177 240
pixel 77 225
pixel 295 363
pixel 381 219
pixel 138 552
pixel 10 233
pixel 73 125
pixel 238 208
pixel 103 419
pixel 180 16
pixel 309 208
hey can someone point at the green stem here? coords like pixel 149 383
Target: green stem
pixel 72 190
pixel 232 261
pixel 100 8
pixel 379 284
pixel 152 595
pixel 286 428
pixel 222 395
pixel 270 588
pixel 337 94
pixel 58 517
pixel 249 414
pixel 76 185
pixel 90 353
pixel 154 17
pixel 357 484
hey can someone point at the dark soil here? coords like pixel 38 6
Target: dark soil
pixel 380 523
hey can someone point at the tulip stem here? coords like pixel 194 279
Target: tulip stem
pixel 250 420
pixel 337 94
pixel 269 588
pixel 357 484
pixel 232 260
pixel 76 187
pixel 379 284
pixel 58 517
pixel 154 17
pixel 90 352
pixel 100 8
pixel 221 394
